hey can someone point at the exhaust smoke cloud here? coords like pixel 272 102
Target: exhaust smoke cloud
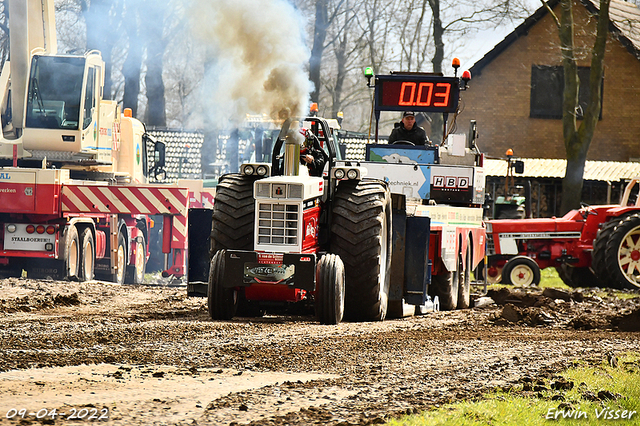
pixel 257 57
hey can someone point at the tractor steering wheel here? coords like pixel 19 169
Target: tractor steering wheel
pixel 403 143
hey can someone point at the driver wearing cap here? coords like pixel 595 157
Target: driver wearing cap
pixel 408 130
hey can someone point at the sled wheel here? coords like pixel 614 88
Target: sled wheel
pixel 521 271
pixel 72 254
pixel 464 279
pixel 599 256
pixel 330 289
pixel 87 255
pixel 361 237
pixel 623 253
pixel 445 287
pixel 222 302
pixel 135 272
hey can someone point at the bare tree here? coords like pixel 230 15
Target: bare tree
pixel 102 19
pixel 578 138
pixel 132 65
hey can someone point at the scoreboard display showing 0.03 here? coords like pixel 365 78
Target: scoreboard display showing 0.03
pixel 415 92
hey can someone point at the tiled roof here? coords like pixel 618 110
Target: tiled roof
pixel 625 17
pixel 611 171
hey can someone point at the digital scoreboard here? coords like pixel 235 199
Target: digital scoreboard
pixel 415 92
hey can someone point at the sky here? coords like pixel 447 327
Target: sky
pixel 481 43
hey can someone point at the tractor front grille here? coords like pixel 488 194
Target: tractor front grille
pixel 278 223
pixel 491 248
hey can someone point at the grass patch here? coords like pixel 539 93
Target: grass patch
pixel 549 278
pixel 621 384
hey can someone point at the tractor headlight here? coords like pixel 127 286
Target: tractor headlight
pixel 11 228
pixel 261 170
pixel 352 174
pixel 248 170
pixel 339 174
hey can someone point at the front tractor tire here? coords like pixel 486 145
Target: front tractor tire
pixel 361 237
pixel 233 214
pixel 330 278
pixel 622 253
pixel 222 302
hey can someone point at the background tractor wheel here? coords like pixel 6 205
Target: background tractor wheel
pixel 464 279
pixel 233 210
pixel 622 254
pixel 222 302
pixel 330 289
pixel 361 236
pixel 521 271
pixel 578 277
pixel 599 255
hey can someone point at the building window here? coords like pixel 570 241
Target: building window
pixel 547 85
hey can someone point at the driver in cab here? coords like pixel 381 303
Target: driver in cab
pixel 408 130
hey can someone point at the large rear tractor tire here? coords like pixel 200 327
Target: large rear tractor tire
pixel 87 255
pixel 464 279
pixel 233 214
pixel 599 255
pixel 622 254
pixel 222 302
pixel 361 236
pixel 330 289
pixel 577 277
pixel 521 271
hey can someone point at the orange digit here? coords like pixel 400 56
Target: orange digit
pixel 444 96
pixel 430 92
pixel 403 89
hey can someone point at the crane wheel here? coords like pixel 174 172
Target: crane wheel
pixel 361 236
pixel 330 289
pixel 87 255
pixel 222 302
pixel 72 254
pixel 135 273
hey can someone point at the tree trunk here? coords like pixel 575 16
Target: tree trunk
pixel 154 23
pixel 319 36
pixel 437 121
pixel 133 63
pixel 97 16
pixel 578 140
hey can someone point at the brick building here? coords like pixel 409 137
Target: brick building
pixel 516 87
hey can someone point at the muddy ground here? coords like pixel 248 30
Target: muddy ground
pixel 142 355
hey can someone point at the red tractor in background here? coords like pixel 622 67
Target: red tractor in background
pixel 593 246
